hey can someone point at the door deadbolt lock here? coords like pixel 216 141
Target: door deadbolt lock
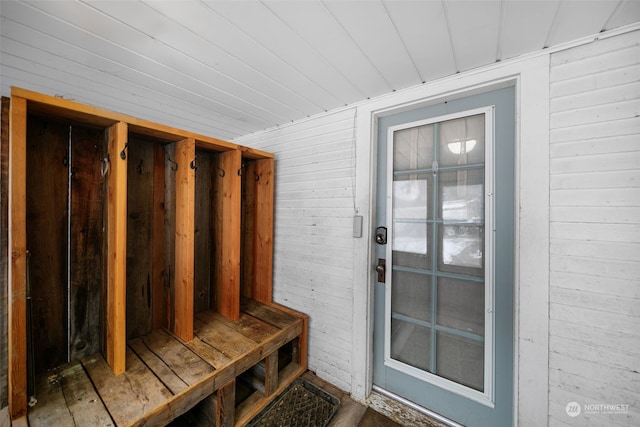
pixel 381 235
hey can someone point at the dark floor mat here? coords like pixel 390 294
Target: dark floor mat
pixel 300 405
pixel 372 418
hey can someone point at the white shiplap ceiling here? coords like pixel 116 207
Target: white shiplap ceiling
pixel 230 68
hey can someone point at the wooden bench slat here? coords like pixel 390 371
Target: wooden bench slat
pixel 209 353
pixel 268 314
pixel 181 360
pixel 157 365
pixel 224 338
pixel 67 397
pixel 247 325
pixel 129 395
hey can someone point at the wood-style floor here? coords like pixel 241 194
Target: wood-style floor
pixel 166 377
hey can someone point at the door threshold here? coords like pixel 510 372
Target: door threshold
pixel 424 411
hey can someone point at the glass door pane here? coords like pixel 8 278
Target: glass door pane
pixel 436 308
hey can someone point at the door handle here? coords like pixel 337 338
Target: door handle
pixel 381 269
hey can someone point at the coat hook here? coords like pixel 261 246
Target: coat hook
pixel 173 164
pixel 104 167
pixel 123 155
pixel 257 177
pixel 240 170
pixel 193 163
pixel 221 172
pixel 139 167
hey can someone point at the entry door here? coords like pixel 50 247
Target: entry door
pixel 443 324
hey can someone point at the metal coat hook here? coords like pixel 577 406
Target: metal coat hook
pixel 240 170
pixel 221 172
pixel 104 167
pixel 139 167
pixel 173 163
pixel 193 163
pixel 123 154
pixel 257 177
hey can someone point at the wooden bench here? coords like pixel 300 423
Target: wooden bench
pixel 265 350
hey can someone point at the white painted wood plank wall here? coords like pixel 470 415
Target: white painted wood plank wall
pixel 594 340
pixel 314 244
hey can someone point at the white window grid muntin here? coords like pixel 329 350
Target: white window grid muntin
pixel 486 397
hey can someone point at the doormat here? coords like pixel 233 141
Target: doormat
pixel 300 405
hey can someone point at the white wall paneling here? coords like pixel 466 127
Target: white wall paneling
pixel 595 230
pixel 314 247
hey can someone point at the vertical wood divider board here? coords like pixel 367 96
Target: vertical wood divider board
pixel 116 250
pixel 4 250
pixel 17 297
pixel 226 294
pixel 185 229
pixel 263 239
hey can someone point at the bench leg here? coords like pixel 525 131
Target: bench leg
pixel 226 405
pixel 271 373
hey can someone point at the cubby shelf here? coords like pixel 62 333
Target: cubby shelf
pixel 121 229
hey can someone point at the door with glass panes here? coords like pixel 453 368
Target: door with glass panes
pixel 443 323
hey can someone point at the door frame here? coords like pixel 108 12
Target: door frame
pixel 530 76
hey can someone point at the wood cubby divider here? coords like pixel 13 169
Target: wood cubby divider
pixel 116 292
pixel 17 293
pixel 263 234
pixel 226 292
pixel 184 240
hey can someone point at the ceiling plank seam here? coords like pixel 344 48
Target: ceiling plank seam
pixel 421 79
pixel 350 37
pixel 188 76
pixel 244 64
pixel 614 14
pixel 320 55
pixel 553 27
pixel 501 29
pixel 445 13
pixel 277 57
